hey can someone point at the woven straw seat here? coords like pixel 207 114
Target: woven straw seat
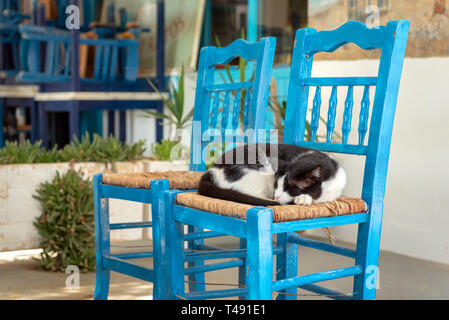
pixel 339 207
pixel 184 180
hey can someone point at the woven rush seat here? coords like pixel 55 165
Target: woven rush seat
pixel 184 180
pixel 339 207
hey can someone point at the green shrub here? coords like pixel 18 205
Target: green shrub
pixel 67 222
pixel 95 149
pixel 98 149
pixel 163 150
pixel 13 153
pixel 174 103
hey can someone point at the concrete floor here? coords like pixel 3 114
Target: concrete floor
pixel 401 277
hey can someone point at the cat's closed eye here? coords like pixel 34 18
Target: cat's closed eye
pixel 302 183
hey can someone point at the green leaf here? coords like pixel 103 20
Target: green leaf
pixel 174 104
pixel 65 241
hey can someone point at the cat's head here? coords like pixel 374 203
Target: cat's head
pixel 295 181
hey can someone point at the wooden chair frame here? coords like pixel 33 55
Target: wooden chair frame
pixel 258 228
pixel 262 53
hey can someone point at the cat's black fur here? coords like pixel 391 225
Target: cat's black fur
pixel 304 169
pixel 306 174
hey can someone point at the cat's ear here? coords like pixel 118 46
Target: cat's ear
pixel 316 174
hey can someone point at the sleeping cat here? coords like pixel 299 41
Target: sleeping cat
pixel 269 175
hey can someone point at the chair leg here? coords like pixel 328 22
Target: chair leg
pixel 111 123
pixel 175 239
pixel 160 258
pixel 74 122
pixel 367 256
pixel 159 123
pixel 197 280
pixel 260 253
pixel 242 269
pixel 34 121
pixel 122 130
pixel 101 207
pixel 43 124
pixel 2 137
pixel 287 265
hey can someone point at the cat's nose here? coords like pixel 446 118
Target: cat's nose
pixel 276 197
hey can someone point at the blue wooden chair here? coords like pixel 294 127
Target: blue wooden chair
pixel 209 97
pixel 257 225
pixel 58 56
pixel 116 67
pixel 10 17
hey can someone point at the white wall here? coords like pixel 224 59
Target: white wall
pixel 416 207
pixel 140 127
pixel 416 215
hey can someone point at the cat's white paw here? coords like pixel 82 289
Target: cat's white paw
pixel 303 199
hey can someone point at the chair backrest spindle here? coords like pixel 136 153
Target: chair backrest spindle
pixel 391 40
pixel 347 115
pixel 333 101
pixel 242 105
pixel 314 124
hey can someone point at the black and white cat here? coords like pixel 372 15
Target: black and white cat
pixel 267 175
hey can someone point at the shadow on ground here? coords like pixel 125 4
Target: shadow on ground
pixel 400 277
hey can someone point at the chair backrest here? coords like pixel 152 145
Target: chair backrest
pixel 108 53
pixel 58 55
pixel 54 44
pixel 392 41
pixel 225 109
pixel 8 7
pixel 11 12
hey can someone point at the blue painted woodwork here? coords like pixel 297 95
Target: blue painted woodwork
pixel 255 91
pixel 206 33
pixel 347 115
pixel 259 240
pixel 197 279
pixel 128 268
pixel 2 134
pixel 102 240
pixel 333 101
pixel 364 113
pixel 315 114
pixel 315 277
pixel 212 267
pixel 219 253
pixel 209 95
pixel 242 275
pixel 59 54
pixel 44 60
pixel 24 102
pixel 118 263
pixel 253 14
pixel 50 57
pixel 319 223
pixel 321 246
pixel 248 111
pixel 258 228
pixel 10 17
pixel 160 66
pixel 287 268
pixel 325 292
